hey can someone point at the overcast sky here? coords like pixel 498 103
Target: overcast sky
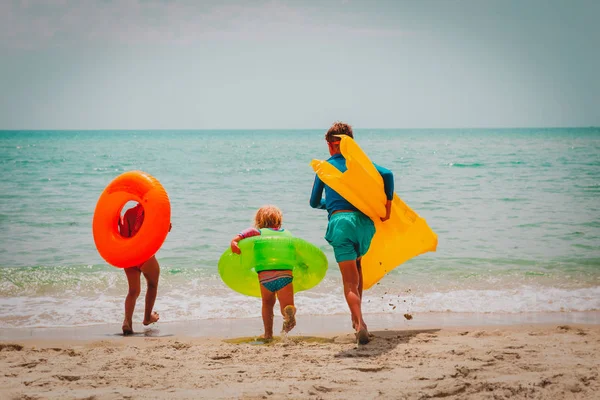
pixel 135 64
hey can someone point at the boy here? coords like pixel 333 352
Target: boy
pixel 349 231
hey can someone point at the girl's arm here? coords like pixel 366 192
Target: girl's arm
pixel 124 227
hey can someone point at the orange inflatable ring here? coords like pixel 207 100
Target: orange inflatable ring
pixel 124 252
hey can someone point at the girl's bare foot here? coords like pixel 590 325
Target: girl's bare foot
pixel 289 318
pixel 153 318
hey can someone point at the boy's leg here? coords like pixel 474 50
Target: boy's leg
pixel 360 277
pixel 268 303
pixel 151 271
pixel 288 310
pixel 351 270
pixel 350 276
pixel 363 235
pixel 133 280
pixel 360 284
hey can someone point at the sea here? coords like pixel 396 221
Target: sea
pixel 516 211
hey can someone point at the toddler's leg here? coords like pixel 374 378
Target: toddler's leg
pixel 288 310
pixel 268 302
pixel 151 271
pixel 133 280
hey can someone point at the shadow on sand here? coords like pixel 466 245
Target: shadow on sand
pixel 381 342
pixel 253 340
pixel 150 332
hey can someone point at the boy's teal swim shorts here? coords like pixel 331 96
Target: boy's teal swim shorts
pixel 350 234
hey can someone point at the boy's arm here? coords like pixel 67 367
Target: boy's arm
pixel 242 235
pixel 388 187
pixel 316 197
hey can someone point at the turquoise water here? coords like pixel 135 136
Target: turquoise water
pixel 516 212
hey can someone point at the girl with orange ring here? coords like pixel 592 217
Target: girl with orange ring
pixel 130 242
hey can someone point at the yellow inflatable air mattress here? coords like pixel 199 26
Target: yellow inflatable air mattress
pixel 404 236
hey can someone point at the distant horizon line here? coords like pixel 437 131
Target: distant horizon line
pixel 288 129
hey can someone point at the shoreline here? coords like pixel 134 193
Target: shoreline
pixel 307 325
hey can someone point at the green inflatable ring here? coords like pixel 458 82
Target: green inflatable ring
pixel 238 272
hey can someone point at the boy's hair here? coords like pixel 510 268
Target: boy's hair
pixel 268 217
pixel 338 128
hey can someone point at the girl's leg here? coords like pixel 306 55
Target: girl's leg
pixel 268 303
pixel 151 271
pixel 133 280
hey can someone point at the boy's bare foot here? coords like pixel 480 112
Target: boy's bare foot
pixel 127 329
pixel 363 336
pixel 363 324
pixel 153 318
pixel 289 318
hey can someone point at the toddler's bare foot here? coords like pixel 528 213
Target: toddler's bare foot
pixel 153 318
pixel 265 338
pixel 127 329
pixel 289 318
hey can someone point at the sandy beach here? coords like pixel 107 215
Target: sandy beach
pixel 415 361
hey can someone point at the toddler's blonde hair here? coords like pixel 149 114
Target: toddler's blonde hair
pixel 268 217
